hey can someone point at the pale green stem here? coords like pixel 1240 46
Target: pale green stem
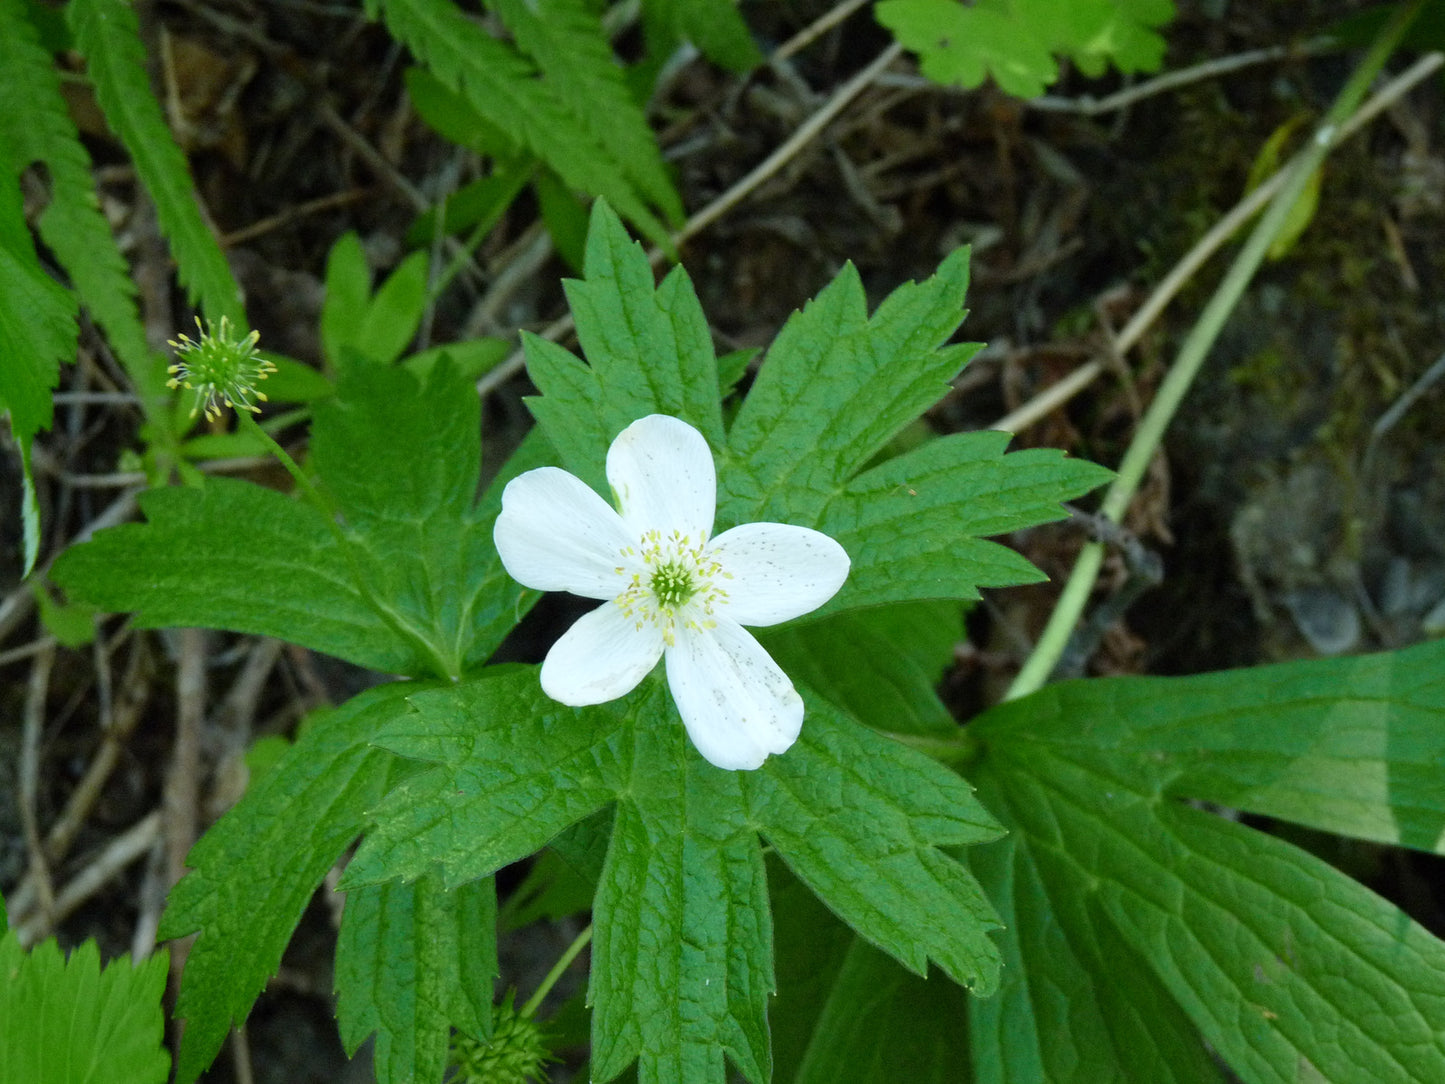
pixel 577 945
pixel 1196 348
pixel 314 495
pixel 957 750
pixel 331 515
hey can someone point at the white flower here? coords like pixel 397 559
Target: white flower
pixel 671 590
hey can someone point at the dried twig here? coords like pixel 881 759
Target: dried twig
pixel 33 727
pixel 1060 393
pixel 117 855
pixel 814 30
pixel 134 692
pixel 183 776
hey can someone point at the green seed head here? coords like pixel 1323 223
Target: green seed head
pixel 219 369
pixel 517 1054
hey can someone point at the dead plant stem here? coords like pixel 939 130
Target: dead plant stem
pixel 1058 394
pixel 1196 347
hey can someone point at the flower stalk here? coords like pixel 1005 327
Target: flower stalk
pixel 224 371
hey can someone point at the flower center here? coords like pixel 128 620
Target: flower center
pixel 672 585
pixel 672 581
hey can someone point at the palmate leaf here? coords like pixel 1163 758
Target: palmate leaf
pixel 649 351
pixel 253 872
pixel 856 817
pixel 401 459
pixel 1122 895
pixel 682 961
pixel 502 86
pixel 836 386
pixel 108 35
pixel 67 1020
pixel 1015 41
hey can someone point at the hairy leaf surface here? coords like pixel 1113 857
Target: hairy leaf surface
pixel 502 86
pixel 566 41
pixel 35 126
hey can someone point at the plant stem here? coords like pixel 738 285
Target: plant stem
pixel 577 945
pixel 319 501
pixel 1196 348
pixel 956 749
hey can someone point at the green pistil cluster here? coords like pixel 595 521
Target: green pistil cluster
pixel 219 369
pixel 677 578
pixel 672 585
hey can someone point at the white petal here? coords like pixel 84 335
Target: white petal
pixel 776 572
pixel 662 472
pixel 737 705
pixel 601 657
pixel 556 534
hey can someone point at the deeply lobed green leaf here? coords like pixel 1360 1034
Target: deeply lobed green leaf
pixel 501 85
pixel 107 32
pixel 912 525
pixel 191 565
pixel 566 41
pixel 412 961
pixel 37 332
pixel 799 450
pixel 1124 895
pixel 35 126
pixel 859 819
pixel 1015 41
pixel 439 600
pixel 254 870
pixel 649 352
pixel 838 384
pixel 67 1020
pixel 682 956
